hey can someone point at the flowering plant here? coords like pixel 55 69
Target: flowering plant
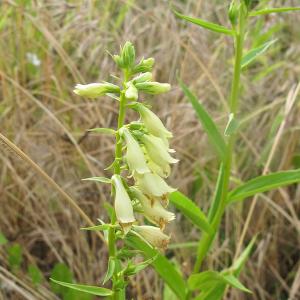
pixel 142 153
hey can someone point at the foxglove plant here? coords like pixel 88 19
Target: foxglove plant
pixel 143 155
pixel 141 165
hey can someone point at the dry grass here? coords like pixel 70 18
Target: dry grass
pixel 39 114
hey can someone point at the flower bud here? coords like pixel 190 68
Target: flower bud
pixel 152 122
pixel 153 88
pixel 157 150
pixel 134 156
pixel 123 205
pixel 142 78
pixel 118 60
pixel 94 90
pixel 131 92
pixel 233 12
pixel 145 65
pixel 153 236
pixel 128 55
pixel 152 184
pixel 153 209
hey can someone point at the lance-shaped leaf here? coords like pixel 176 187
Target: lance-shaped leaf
pixel 205 24
pixel 162 265
pixel 254 53
pixel 241 260
pixel 93 290
pixel 271 10
pixel 214 292
pixel 205 280
pixel 103 130
pixel 99 227
pixel 98 179
pixel 208 124
pixel 263 184
pixel 190 210
pixel 110 269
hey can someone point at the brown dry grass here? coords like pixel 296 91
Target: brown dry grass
pixel 39 114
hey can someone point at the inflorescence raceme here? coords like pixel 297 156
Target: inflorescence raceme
pixel 142 148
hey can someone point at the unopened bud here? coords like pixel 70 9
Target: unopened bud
pixel 145 65
pixel 131 92
pixel 153 88
pixel 128 55
pixel 144 77
pixel 233 13
pixel 94 90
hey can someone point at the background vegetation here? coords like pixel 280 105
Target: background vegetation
pixel 46 47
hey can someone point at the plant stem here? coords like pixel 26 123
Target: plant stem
pixel 207 239
pixel 112 250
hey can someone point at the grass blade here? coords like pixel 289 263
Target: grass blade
pixel 205 24
pixel 263 184
pixel 267 11
pixel 162 266
pixel 93 290
pixel 190 210
pixel 254 53
pixel 208 124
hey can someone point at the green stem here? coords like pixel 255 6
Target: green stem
pixel 112 249
pixel 207 239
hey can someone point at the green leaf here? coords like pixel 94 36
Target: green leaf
pixel 134 269
pixel 35 274
pixel 3 239
pixel 190 210
pixel 241 260
pixel 60 272
pixel 254 53
pixel 208 124
pixel 98 179
pixel 234 282
pixel 103 130
pixel 203 281
pixel 93 290
pixel 15 256
pixel 218 194
pixel 267 11
pixel 232 125
pixel 263 184
pixel 162 266
pixel 98 227
pixel 208 25
pixel 214 292
pixel 110 269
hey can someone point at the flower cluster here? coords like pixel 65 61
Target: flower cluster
pixel 147 156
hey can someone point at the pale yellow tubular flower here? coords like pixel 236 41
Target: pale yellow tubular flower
pixel 134 156
pixel 163 172
pixel 153 235
pixel 94 90
pixel 152 184
pixel 157 150
pixel 153 124
pixel 153 209
pixel 123 205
